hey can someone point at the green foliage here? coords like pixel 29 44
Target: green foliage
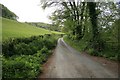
pixel 6 13
pixel 44 50
pixel 89 26
pixel 21 67
pixel 109 50
pixel 23 57
pixel 79 45
pixel 24 46
pixel 91 51
pixel 100 31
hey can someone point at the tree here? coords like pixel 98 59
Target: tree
pixel 93 17
pixel 70 12
pixel 6 13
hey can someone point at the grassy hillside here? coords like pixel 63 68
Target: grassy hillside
pixel 13 29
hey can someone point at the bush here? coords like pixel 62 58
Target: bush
pixel 23 57
pixel 21 67
pixel 27 46
pixel 43 54
pixel 49 42
pixel 23 48
pixel 8 47
pixel 44 50
pixel 90 51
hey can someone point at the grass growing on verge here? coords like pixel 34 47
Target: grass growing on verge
pixel 79 45
pixel 83 45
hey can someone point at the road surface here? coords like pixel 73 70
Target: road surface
pixel 69 63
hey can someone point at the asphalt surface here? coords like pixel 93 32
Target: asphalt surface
pixel 69 63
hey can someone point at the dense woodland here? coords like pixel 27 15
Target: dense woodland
pixel 95 25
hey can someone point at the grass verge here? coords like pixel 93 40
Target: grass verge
pixel 83 46
pixel 79 45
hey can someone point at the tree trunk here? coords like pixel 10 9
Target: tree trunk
pixel 93 18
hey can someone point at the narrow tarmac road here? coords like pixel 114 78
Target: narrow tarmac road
pixel 69 63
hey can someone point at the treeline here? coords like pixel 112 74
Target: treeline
pixel 40 24
pixel 6 13
pixel 93 24
pixel 52 27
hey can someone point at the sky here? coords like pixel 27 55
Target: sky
pixel 28 10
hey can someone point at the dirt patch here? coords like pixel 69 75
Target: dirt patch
pixel 109 64
pixel 46 65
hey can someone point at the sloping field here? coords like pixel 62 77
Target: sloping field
pixel 14 29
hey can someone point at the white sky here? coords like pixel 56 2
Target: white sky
pixel 28 10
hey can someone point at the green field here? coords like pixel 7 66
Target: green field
pixel 14 29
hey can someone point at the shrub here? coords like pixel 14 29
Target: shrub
pixel 27 46
pixel 44 50
pixel 23 57
pixel 22 48
pixel 42 55
pixel 21 67
pixel 8 47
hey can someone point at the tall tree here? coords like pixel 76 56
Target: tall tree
pixel 93 17
pixel 72 14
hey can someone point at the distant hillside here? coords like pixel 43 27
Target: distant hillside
pixel 44 25
pixel 40 24
pixel 13 29
pixel 6 13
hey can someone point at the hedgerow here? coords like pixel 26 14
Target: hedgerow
pixel 23 57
